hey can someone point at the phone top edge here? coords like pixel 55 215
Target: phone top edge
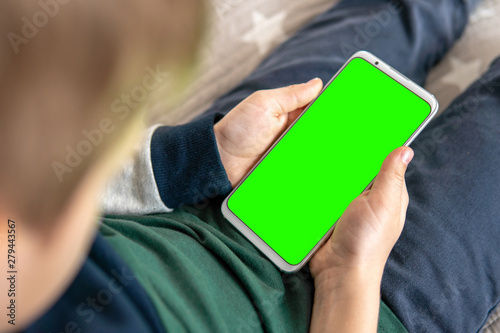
pixel 407 83
pixel 399 77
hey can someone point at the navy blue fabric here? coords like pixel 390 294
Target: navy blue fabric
pixel 443 275
pixel 104 297
pixel 186 162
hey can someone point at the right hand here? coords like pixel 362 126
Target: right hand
pixel 367 231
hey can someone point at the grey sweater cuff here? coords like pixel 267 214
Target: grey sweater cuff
pixel 133 190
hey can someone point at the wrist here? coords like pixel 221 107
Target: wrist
pixel 347 283
pixel 347 300
pixel 224 157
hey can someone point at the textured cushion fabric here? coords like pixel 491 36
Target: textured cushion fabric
pixel 492 325
pixel 470 57
pixel 245 32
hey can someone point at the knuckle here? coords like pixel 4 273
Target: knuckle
pixel 394 176
pixel 259 100
pixel 398 175
pixel 295 99
pixel 259 96
pixel 293 91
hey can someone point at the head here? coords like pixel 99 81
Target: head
pixel 63 64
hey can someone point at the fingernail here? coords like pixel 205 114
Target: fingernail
pixel 313 80
pixel 407 156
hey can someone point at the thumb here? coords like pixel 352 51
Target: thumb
pixel 293 97
pixel 391 178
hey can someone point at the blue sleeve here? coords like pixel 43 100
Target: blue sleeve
pixel 186 163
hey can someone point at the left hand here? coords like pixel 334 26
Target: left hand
pixel 246 132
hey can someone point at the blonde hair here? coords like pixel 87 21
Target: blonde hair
pixel 62 65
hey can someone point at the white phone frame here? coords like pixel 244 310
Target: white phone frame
pixel 254 238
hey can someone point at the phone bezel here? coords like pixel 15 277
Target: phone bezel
pixel 253 237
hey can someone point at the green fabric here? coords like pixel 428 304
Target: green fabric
pixel 388 322
pixel 203 276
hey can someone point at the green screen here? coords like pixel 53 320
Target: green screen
pixel 328 157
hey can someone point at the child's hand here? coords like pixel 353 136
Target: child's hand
pixel 347 269
pixel 246 132
pixel 367 231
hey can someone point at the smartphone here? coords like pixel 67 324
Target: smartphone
pixel 288 204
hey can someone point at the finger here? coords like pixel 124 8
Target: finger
pixel 294 97
pixel 390 181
